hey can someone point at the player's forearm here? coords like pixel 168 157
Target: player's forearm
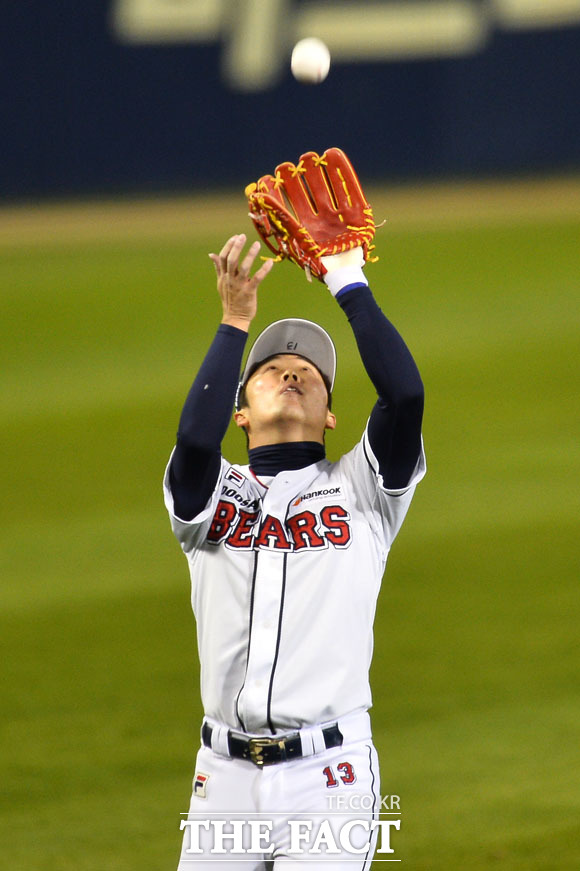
pixel 394 428
pixel 204 420
pixel 207 410
pixel 385 356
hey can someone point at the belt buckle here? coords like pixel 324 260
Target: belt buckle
pixel 256 747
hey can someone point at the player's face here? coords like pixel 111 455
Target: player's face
pixel 286 401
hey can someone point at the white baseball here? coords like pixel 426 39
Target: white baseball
pixel 310 61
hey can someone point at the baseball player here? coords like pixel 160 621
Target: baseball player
pixel 286 555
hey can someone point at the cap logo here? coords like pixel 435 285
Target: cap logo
pixel 291 346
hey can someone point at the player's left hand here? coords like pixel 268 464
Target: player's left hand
pixel 237 289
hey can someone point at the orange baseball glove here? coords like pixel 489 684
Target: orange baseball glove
pixel 311 210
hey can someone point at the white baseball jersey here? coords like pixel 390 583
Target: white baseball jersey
pixel 285 574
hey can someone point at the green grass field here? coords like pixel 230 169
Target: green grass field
pixel 476 680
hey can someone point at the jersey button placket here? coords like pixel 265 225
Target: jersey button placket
pixel 264 639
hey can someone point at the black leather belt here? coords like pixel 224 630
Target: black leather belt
pixel 270 750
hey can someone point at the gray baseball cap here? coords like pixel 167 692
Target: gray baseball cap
pixel 294 336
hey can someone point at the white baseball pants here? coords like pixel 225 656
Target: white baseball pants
pixel 312 813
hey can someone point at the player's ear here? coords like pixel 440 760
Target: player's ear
pixel 330 420
pixel 241 418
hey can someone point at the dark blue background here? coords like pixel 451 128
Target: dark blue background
pixel 83 113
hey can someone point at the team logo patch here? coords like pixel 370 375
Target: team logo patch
pixel 236 477
pixel 199 784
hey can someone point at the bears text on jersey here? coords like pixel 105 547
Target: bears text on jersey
pixel 242 529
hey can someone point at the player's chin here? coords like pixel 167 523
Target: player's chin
pixel 290 412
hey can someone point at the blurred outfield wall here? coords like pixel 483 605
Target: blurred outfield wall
pixel 120 96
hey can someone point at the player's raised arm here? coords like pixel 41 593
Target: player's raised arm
pixel 315 214
pixel 394 428
pixel 207 411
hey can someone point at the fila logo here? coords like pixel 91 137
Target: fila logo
pixel 236 477
pixel 247 530
pixel 199 784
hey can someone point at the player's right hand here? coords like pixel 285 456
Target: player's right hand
pixel 237 289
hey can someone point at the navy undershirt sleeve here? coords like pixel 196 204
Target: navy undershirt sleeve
pixel 395 422
pixel 195 464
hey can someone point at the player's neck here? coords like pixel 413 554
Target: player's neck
pixel 285 457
